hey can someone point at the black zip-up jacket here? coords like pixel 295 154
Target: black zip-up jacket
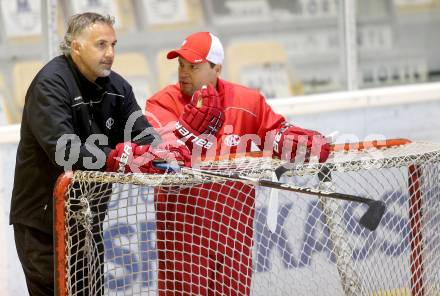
pixel 60 101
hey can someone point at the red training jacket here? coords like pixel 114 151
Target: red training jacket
pixel 247 117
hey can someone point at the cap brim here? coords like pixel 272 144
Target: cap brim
pixel 188 55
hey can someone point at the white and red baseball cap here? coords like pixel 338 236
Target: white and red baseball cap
pixel 199 48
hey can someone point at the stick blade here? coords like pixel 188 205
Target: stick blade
pixel 166 167
pixel 373 215
pixel 272 208
pixel 280 171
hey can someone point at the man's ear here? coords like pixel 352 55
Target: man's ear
pixel 218 69
pixel 75 46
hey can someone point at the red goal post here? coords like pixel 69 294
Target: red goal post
pixel 344 259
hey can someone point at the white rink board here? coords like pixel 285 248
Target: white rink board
pixel 12 282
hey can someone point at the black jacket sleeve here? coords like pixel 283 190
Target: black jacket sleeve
pixel 142 133
pixel 50 119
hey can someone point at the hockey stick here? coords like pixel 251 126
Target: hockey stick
pixel 369 220
pixel 376 208
pixel 273 202
pixel 272 207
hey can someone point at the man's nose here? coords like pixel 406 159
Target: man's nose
pixel 184 71
pixel 110 52
pixel 183 75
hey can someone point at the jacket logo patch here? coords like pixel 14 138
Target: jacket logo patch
pixel 77 101
pixel 232 140
pixel 109 123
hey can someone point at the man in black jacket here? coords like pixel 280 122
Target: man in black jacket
pixel 78 114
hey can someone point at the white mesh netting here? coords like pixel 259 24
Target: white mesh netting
pixel 187 234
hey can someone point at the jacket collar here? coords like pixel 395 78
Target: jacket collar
pixel 86 86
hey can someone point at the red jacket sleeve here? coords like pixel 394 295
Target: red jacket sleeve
pixel 269 123
pixel 269 119
pixel 163 110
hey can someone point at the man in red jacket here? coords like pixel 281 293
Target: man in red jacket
pixel 205 233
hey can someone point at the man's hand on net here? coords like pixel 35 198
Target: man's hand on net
pixel 120 158
pixel 204 114
pixel 128 157
pixel 289 139
pixel 173 154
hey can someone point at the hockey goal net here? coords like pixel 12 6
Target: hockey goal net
pixel 188 234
